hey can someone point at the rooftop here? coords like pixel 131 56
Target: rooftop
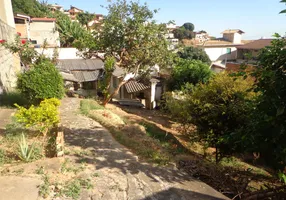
pixel 43 19
pixel 256 44
pixel 79 64
pixel 233 31
pixel 218 42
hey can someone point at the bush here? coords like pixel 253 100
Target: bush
pixel 189 72
pixel 41 118
pixel 12 98
pixel 42 81
pixel 218 109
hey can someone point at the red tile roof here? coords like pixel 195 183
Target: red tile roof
pixel 256 44
pixel 43 19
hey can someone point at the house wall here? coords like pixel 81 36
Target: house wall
pixel 45 30
pixel 220 53
pixel 63 53
pixel 22 28
pixel 9 63
pixel 235 38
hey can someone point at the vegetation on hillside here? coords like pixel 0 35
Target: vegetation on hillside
pixel 29 7
pixel 132 38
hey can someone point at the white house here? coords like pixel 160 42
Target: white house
pixel 224 49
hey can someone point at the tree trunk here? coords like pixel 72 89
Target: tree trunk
pixel 115 92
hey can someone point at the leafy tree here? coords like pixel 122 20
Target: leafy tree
pixel 182 33
pixel 132 38
pixel 283 11
pixel 268 127
pixel 71 33
pixel 189 72
pixel 189 26
pixel 194 53
pixel 84 18
pixel 220 108
pixel 29 7
pixel 41 81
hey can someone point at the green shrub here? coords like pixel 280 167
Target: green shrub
pixel 41 118
pixel 189 72
pixel 219 109
pixel 42 81
pixel 11 98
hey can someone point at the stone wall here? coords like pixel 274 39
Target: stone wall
pixel 9 63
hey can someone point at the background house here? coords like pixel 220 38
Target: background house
pixel 223 49
pixel 73 12
pixel 37 30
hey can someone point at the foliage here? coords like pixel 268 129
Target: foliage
pixel 183 33
pixel 29 7
pixel 40 82
pixel 189 26
pixel 270 114
pixel 283 11
pixel 218 109
pixel 73 188
pixel 189 72
pixel 71 33
pixel 44 189
pixel 41 118
pixel 194 53
pixel 26 53
pixel 132 37
pixel 109 67
pixel 9 99
pixel 84 18
pixel 25 150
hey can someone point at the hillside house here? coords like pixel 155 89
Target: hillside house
pixel 37 30
pixel 223 49
pixel 248 54
pixel 73 12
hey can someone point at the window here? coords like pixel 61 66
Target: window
pixel 228 50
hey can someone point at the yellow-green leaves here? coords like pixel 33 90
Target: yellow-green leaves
pixel 40 118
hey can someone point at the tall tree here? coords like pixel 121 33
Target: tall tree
pixel 189 72
pixel 194 53
pixel 84 18
pixel 132 38
pixel 189 26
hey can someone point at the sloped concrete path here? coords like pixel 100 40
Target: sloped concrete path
pixel 119 174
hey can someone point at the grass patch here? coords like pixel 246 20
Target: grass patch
pixel 152 144
pixel 11 98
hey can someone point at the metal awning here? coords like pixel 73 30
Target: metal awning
pixel 79 64
pixel 134 86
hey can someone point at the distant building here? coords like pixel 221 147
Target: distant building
pixel 201 36
pixel 73 12
pixel 224 49
pixel 97 22
pixel 170 35
pixel 56 7
pixel 37 30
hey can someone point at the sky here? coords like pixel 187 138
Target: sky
pixel 257 18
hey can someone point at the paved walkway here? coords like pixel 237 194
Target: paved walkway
pixel 120 175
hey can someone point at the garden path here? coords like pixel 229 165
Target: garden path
pixel 119 173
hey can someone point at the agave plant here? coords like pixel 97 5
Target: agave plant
pixel 25 150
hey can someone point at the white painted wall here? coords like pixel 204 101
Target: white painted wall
pixel 45 30
pixel 64 53
pixel 6 13
pixel 220 53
